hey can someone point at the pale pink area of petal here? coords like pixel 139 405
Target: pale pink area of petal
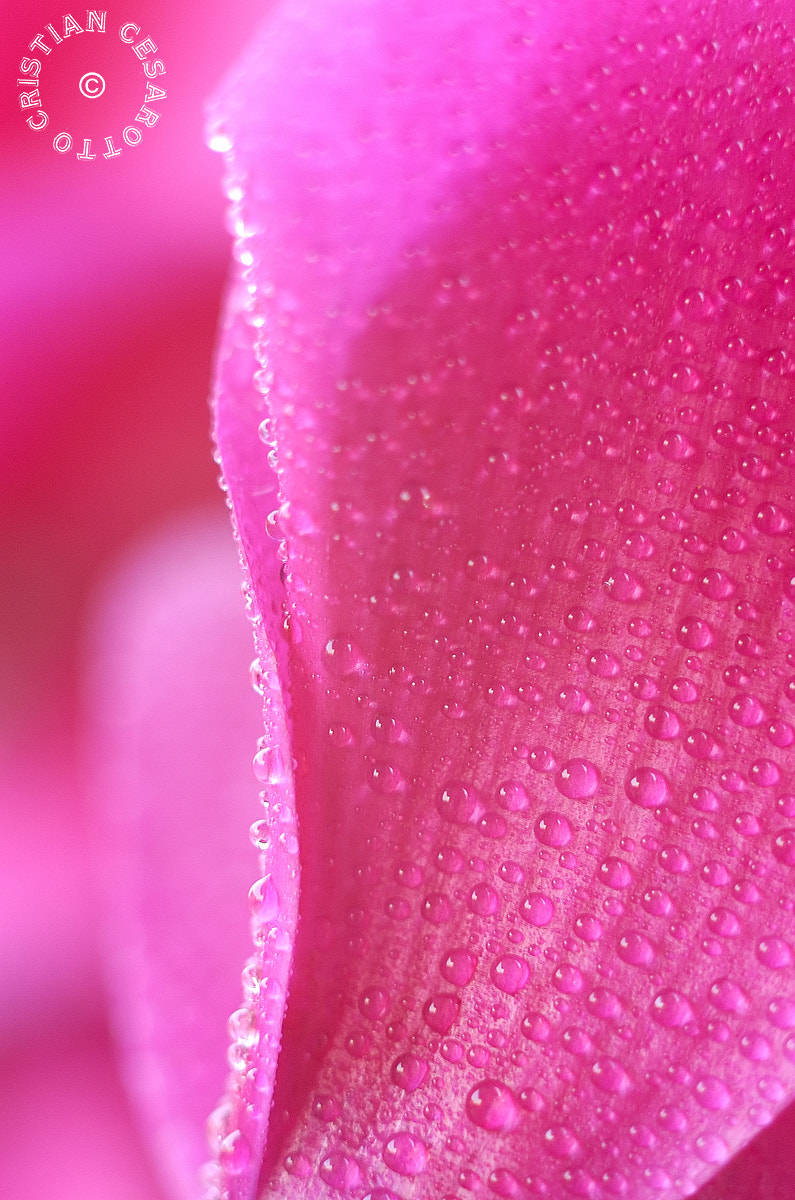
pixel 176 728
pixel 521 293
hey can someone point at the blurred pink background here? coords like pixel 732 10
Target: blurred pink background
pixel 112 277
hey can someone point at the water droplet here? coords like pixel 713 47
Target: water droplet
pixel 483 900
pixel 728 996
pixel 603 664
pixel 552 829
pixel 674 445
pixel 746 711
pixel 781 1012
pixel 405 1154
pixel 672 1009
pixel 764 773
pixel 755 1047
pixel 784 846
pixel 712 1093
pixel 458 967
pixel 605 1004
pixel 695 634
pixel 715 873
pixel 648 788
pixel 772 520
pixel 716 584
pixel 343 656
pixel 725 923
pixel 636 949
pixel 326 1108
pixel 263 901
pixel 511 872
pixel 561 1142
pixel 436 909
pixel 609 1076
pixel 623 585
pixel 537 909
pixel 588 927
pixel 491 1105
pixel 568 979
pixel 374 1003
pixel 701 745
pixel 268 765
pixel 234 1153
pixel 385 778
pixel 340 1171
pixel 662 723
pixel 774 952
pixel 542 759
pixel 510 974
pixel 711 1148
pixel 513 796
pixel 657 902
pixel 441 1012
pixel 459 804
pixel 504 1183
pixel 578 779
pixel 615 873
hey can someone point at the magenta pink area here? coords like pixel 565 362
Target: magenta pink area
pixel 176 726
pixel 59 1097
pixel 521 289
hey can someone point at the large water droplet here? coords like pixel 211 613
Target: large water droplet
pixel 537 909
pixel 616 873
pixel 491 1105
pixel 441 1012
pixel 672 1009
pixel 552 829
pixel 458 967
pixel 578 779
pixel 609 1076
pixel 510 974
pixel 784 847
pixel 648 788
pixel 405 1154
pixel 459 804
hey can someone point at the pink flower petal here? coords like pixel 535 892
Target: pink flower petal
pixel 522 288
pixel 176 727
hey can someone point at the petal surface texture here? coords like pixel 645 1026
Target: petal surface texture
pixel 521 286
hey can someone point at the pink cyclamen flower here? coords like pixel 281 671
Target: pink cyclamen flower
pixel 505 412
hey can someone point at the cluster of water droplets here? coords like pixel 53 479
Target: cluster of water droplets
pixel 538 545
pixel 237 1128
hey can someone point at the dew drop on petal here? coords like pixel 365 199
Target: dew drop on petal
pixel 615 873
pixel 405 1154
pixel 578 779
pixel 491 1105
pixel 648 788
pixel 537 909
pixel 552 829
pixel 784 847
pixel 609 1076
pixel 510 974
pixel 672 1009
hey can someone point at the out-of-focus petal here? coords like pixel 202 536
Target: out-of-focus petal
pixel 176 725
pixel 523 293
pixel 67 1129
